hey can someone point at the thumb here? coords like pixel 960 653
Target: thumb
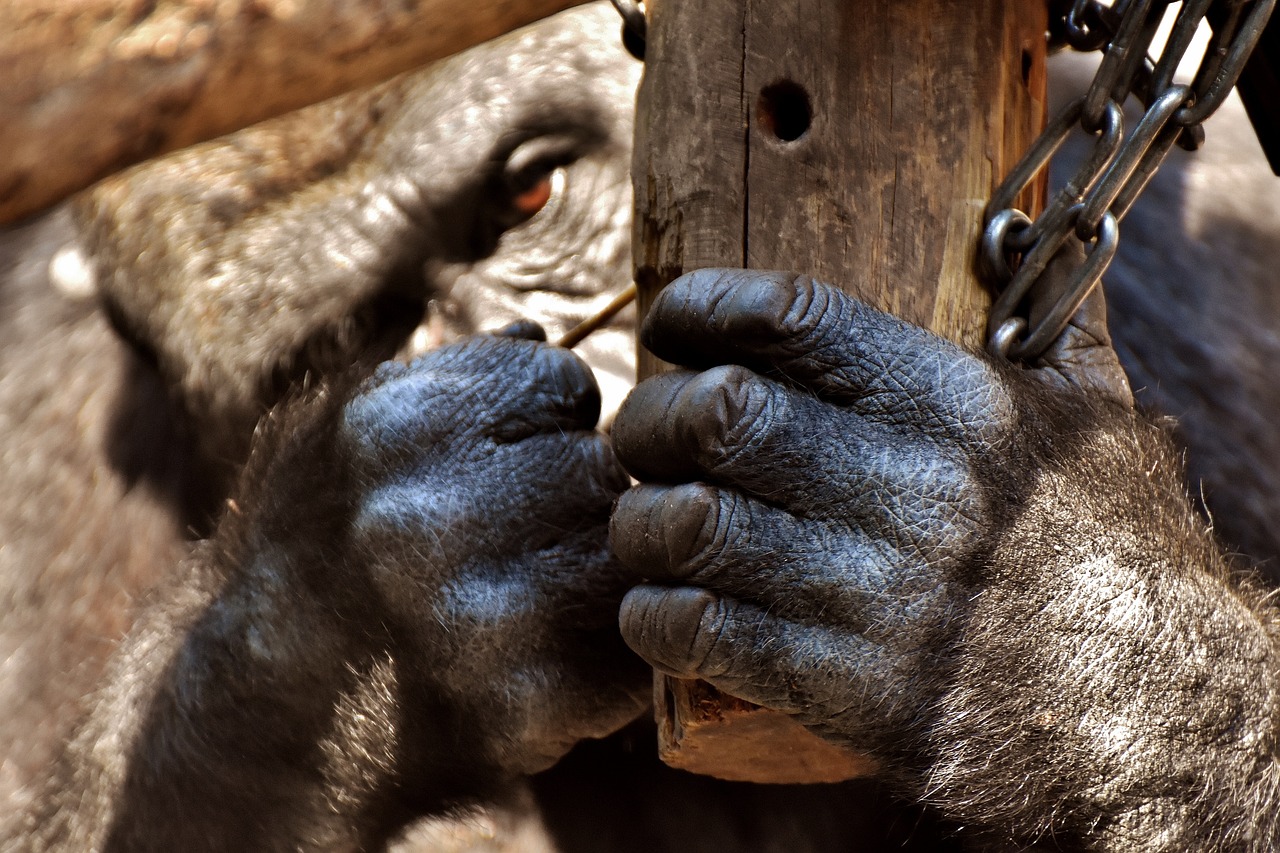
pixel 1081 357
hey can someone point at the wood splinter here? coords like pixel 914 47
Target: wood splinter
pixel 575 336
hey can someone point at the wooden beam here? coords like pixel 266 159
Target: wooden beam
pixel 92 86
pixel 857 142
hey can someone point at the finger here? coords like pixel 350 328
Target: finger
pixel 730 427
pixel 545 501
pixel 505 388
pixel 751 653
pixel 528 330
pixel 567 476
pixel 557 391
pixel 813 336
pixel 720 541
pixel 1081 357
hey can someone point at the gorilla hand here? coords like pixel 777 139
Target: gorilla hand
pixel 483 532
pixel 411 603
pixel 991 579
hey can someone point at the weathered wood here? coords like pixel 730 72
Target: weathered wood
pixel 92 86
pixel 857 142
pixel 703 730
pixel 690 152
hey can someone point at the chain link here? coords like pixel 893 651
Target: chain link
pixel 634 26
pixel 1015 249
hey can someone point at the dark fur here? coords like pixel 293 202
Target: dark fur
pixel 127 418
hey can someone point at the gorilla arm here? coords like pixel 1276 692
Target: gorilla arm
pixel 990 579
pixel 408 605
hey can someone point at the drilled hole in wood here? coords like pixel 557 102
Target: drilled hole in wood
pixel 785 111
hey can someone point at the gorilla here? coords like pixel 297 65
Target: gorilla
pixel 311 542
pixel 184 305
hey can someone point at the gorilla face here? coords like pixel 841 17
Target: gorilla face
pixel 487 188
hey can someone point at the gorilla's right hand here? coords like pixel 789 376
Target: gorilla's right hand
pixel 409 604
pixel 989 579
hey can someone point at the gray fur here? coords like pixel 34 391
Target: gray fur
pixel 995 582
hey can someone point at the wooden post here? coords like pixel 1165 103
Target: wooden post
pixel 857 142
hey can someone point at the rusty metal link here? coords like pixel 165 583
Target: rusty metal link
pixel 1087 26
pixel 1136 163
pixel 634 26
pixel 1030 341
pixel 1015 249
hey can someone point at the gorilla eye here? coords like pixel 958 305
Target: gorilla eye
pixel 533 175
pixel 529 202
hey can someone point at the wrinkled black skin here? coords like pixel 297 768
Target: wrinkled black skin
pixel 989 579
pixel 128 412
pixel 334 688
pixel 385 632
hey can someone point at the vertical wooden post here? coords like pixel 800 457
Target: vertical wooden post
pixel 857 142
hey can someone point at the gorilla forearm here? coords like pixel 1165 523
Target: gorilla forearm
pixel 1128 697
pixel 1026 622
pixel 244 712
pixel 214 743
pixel 178 754
pixel 986 577
pixel 371 635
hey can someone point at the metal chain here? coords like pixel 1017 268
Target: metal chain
pixel 1015 249
pixel 634 26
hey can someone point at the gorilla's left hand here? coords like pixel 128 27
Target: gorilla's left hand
pixel 481 496
pixel 410 605
pixel 989 578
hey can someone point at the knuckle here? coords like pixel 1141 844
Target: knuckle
pixel 985 406
pixel 485 366
pixel 726 410
pixel 758 306
pixel 711 634
pixel 593 467
pixel 628 531
pixel 679 630
pixel 561 371
pixel 776 306
pixel 935 387
pixel 536 388
pixel 811 307
pixel 397 416
pixel 966 400
pixel 681 530
pixel 398 514
pixel 937 506
pixel 563 387
pixel 695 524
pixel 654 528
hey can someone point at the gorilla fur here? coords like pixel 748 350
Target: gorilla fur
pixel 360 605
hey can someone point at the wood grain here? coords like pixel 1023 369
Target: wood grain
pixel 88 87
pixel 915 111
